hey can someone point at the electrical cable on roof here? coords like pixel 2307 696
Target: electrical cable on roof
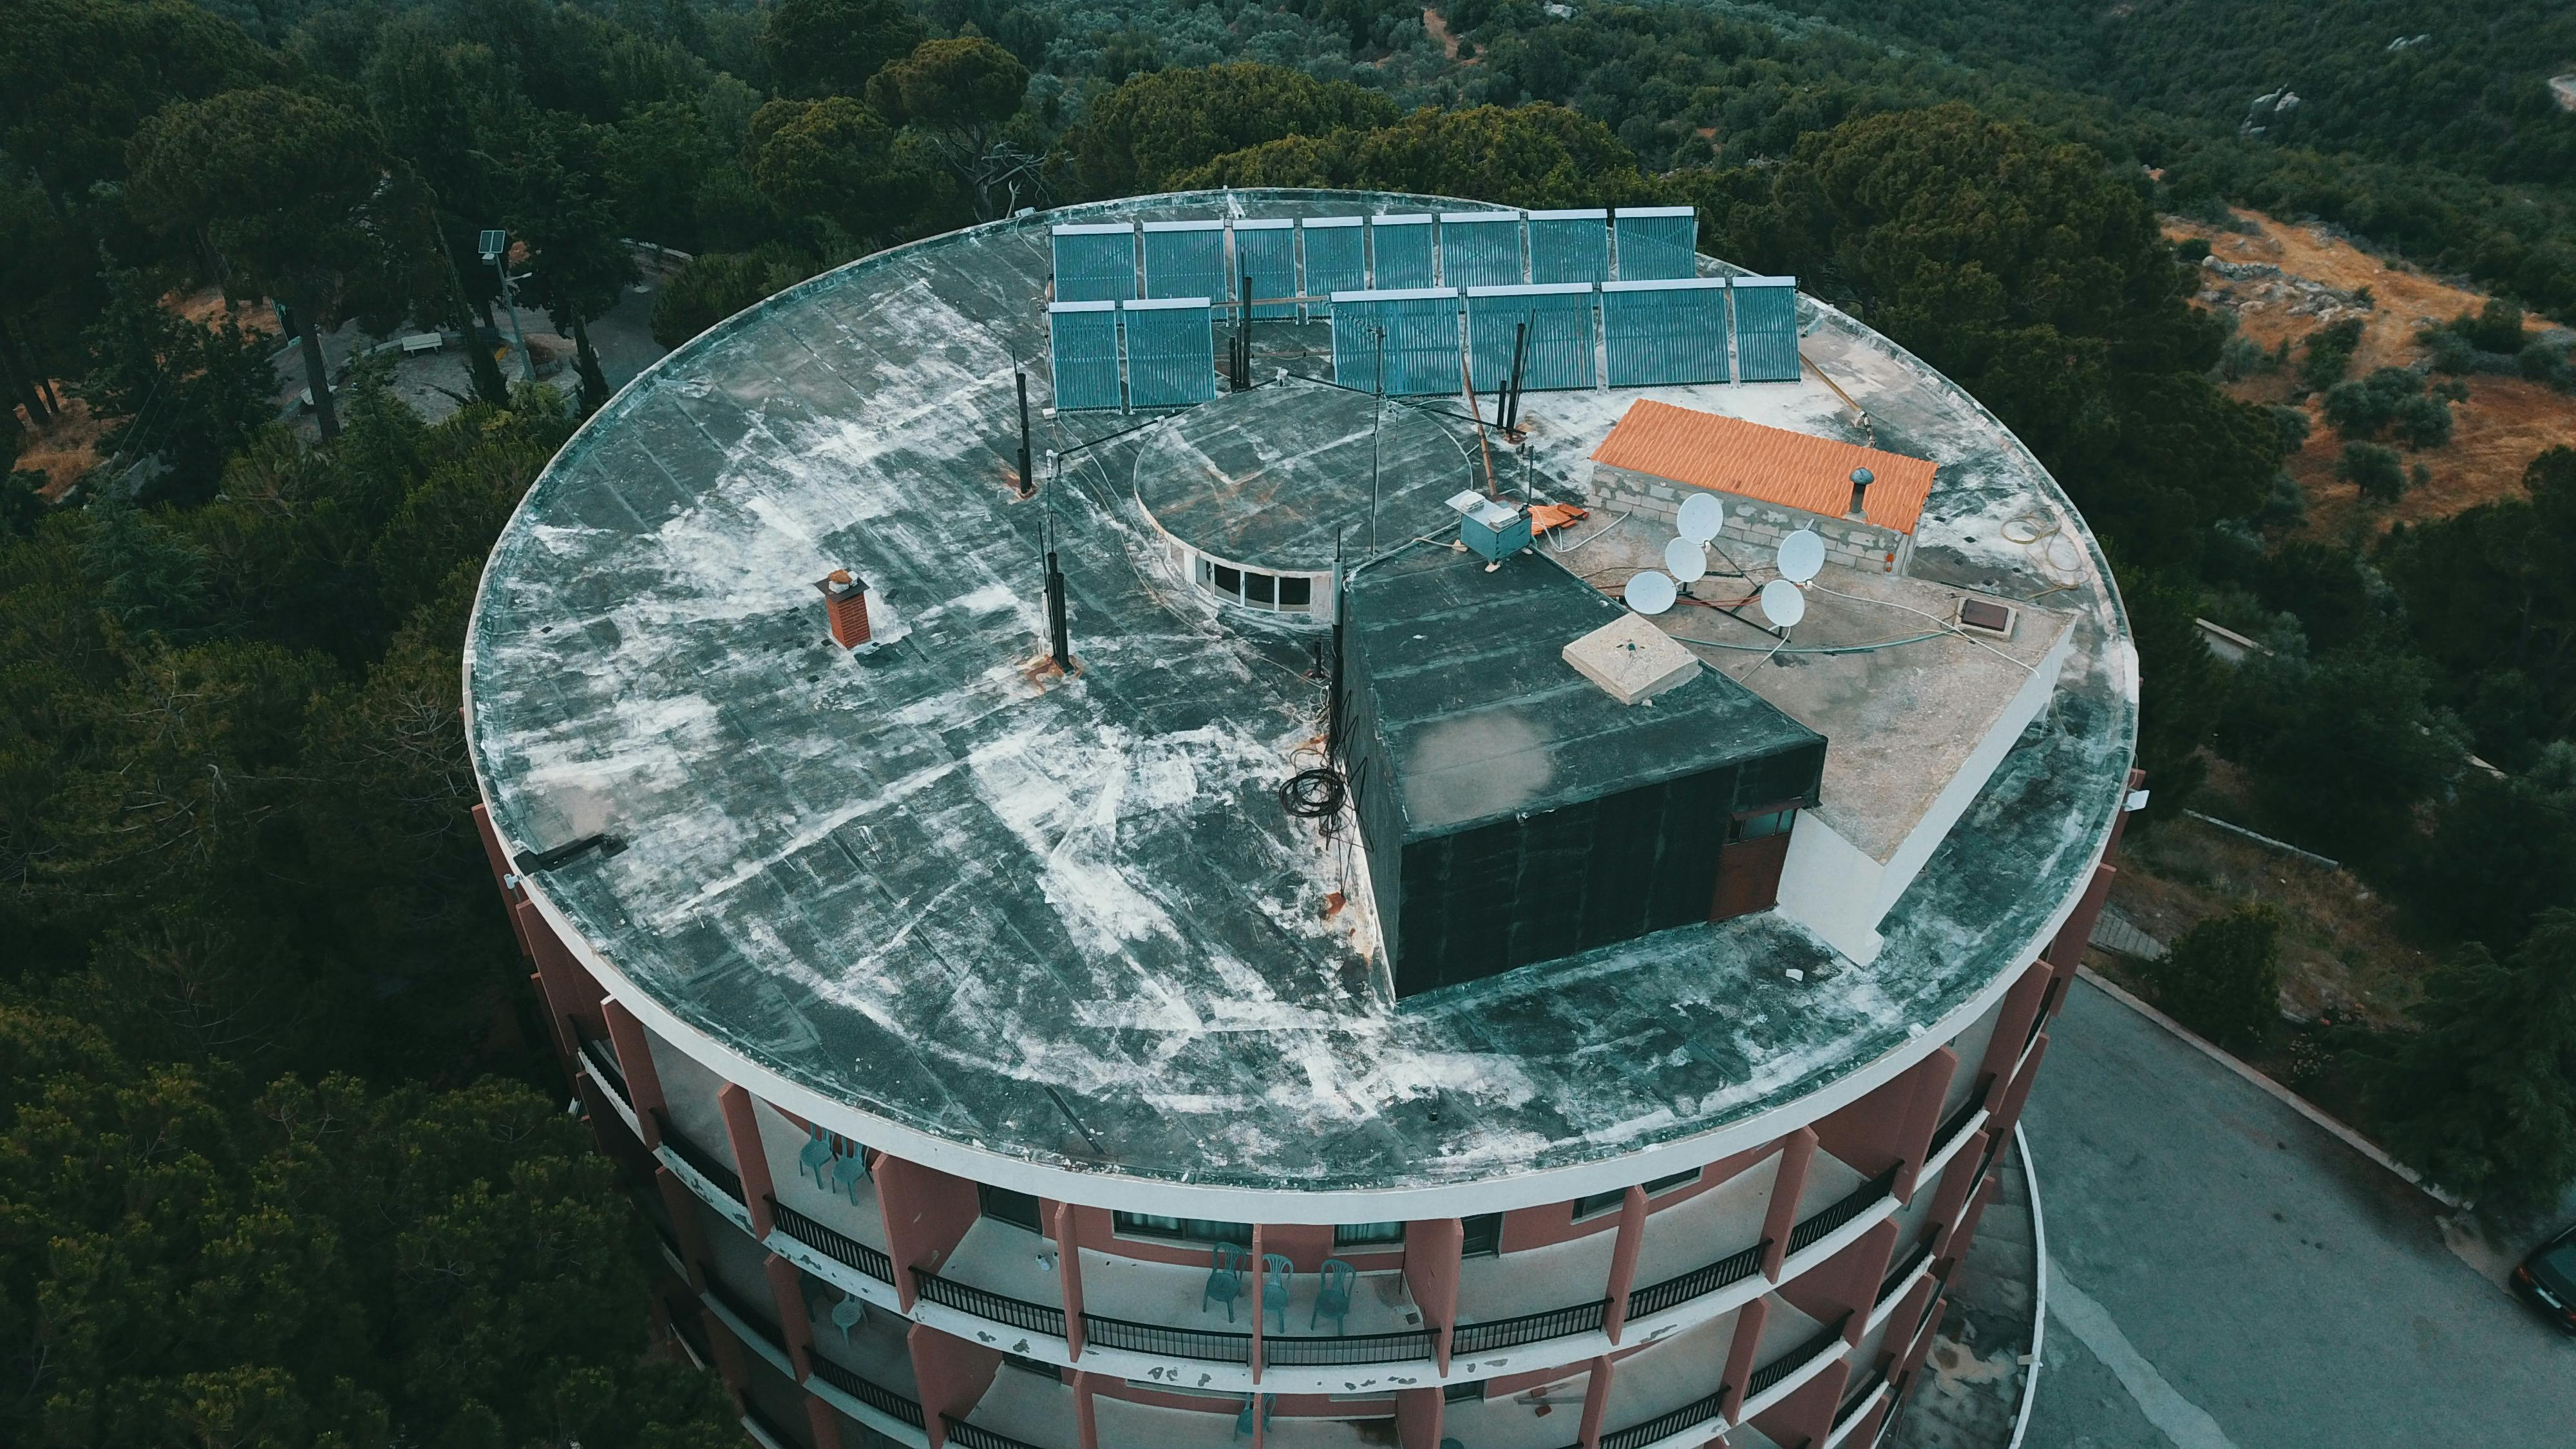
pixel 1815 649
pixel 1946 626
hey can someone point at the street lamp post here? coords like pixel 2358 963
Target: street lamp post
pixel 496 250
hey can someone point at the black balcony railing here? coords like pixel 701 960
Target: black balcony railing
pixel 1019 1313
pixel 1698 1282
pixel 831 1243
pixel 1851 1205
pixel 976 1436
pixel 1958 1121
pixel 760 1321
pixel 603 1065
pixel 1475 1338
pixel 876 1396
pixel 766 1427
pixel 1904 1269
pixel 700 1161
pixel 687 1321
pixel 1212 1345
pixel 1858 1398
pixel 1663 1426
pixel 1411 1345
pixel 1824 1341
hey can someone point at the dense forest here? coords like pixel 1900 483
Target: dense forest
pixel 274 1121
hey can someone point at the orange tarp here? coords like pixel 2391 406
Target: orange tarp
pixel 1773 465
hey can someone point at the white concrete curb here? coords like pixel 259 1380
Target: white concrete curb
pixel 2279 1093
pixel 2038 1290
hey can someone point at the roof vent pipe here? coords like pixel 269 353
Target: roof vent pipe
pixel 845 607
pixel 1861 478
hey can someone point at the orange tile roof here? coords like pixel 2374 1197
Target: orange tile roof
pixel 1774 465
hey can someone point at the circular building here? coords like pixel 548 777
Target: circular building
pixel 1209 919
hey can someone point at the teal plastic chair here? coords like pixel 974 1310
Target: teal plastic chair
pixel 1277 1273
pixel 816 1157
pixel 848 1171
pixel 1333 1294
pixel 1225 1277
pixel 846 1315
pixel 1243 1416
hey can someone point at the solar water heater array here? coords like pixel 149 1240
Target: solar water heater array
pixel 1139 353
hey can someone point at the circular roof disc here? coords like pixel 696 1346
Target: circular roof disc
pixel 1802 556
pixel 1700 518
pixel 1782 604
pixel 1686 558
pixel 1650 592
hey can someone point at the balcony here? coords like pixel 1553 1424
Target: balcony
pixel 1780 1374
pixel 1125 1424
pixel 1670 1387
pixel 715 1170
pixel 1821 1224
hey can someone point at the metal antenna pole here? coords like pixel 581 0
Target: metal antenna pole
pixel 1512 395
pixel 1028 484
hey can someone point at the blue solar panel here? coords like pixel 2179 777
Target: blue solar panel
pixel 1558 352
pixel 1481 249
pixel 1336 257
pixel 1095 263
pixel 1658 333
pixel 1766 329
pixel 1657 243
pixel 1171 352
pixel 1266 252
pixel 1082 352
pixel 1404 343
pixel 1185 259
pixel 1569 246
pixel 1402 253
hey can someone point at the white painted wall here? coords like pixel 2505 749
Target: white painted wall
pixel 1831 886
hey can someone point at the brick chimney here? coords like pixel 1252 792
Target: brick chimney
pixel 845 607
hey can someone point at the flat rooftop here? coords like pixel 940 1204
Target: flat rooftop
pixel 1066 920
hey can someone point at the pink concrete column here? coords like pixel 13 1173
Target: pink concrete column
pixel 2120 822
pixel 1596 1402
pixel 2008 1111
pixel 682 1205
pixel 1432 1248
pixel 503 875
pixel 732 1359
pixel 635 1059
pixel 953 1374
pixel 820 1419
pixel 553 962
pixel 1086 1417
pixel 1068 1271
pixel 795 1322
pixel 1966 1236
pixel 1623 1260
pixel 1417 1418
pixel 1909 1312
pixel 1739 1357
pixel 1846 1283
pixel 2012 1025
pixel 1782 1214
pixel 927 1212
pixel 1931 1084
pixel 2068 946
pixel 750 1157
pixel 1259 1285
pixel 1957 1181
pixel 1807 1415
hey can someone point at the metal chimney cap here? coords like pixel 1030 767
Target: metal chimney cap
pixel 1863 477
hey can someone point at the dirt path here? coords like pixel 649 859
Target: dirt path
pixel 1436 26
pixel 2284 282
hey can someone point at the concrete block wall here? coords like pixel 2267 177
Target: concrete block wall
pixel 1753 525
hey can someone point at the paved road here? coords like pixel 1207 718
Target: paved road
pixel 2223 1275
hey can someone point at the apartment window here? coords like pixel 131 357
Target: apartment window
pixel 1484 1236
pixel 1462 1393
pixel 1005 1206
pixel 1186 1230
pixel 1354 1235
pixel 1760 827
pixel 1032 1366
pixel 1296 591
pixel 1598 1202
pixel 1260 589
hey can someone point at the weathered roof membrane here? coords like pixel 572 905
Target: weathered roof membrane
pixel 1065 920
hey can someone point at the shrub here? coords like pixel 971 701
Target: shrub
pixel 2373 470
pixel 2222 978
pixel 2330 350
pixel 2423 420
pixel 2358 410
pixel 2445 350
pixel 2496 328
pixel 2293 423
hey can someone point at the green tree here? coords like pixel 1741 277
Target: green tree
pixel 287 187
pixel 2222 978
pixel 2488 591
pixel 836 159
pixel 2481 1098
pixel 2180 687
pixel 961 93
pixel 1157 125
pixel 831 47
pixel 716 285
pixel 2502 850
pixel 2375 472
pixel 78 76
pixel 2342 749
pixel 188 393
pixel 2329 352
pixel 560 206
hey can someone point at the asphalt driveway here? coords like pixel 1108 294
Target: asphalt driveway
pixel 2224 1275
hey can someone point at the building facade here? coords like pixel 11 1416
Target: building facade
pixel 1008 1060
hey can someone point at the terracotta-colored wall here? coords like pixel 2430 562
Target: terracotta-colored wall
pixel 1846 1282
pixel 1869 1133
pixel 953 1374
pixel 1957 1181
pixel 1739 1355
pixel 927 1212
pixel 1431 1249
pixel 1417 1418
pixel 2012 1029
pixel 1782 1213
pixel 1806 1416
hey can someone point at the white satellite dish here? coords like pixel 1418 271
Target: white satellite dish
pixel 1700 518
pixel 1650 592
pixel 1686 558
pixel 1802 554
pixel 1782 604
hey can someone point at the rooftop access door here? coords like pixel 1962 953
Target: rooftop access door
pixel 1748 865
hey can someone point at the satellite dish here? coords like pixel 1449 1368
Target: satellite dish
pixel 1686 558
pixel 1801 555
pixel 1782 604
pixel 1649 592
pixel 1701 517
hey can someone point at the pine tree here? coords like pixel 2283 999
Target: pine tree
pixel 2223 977
pixel 2482 1099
